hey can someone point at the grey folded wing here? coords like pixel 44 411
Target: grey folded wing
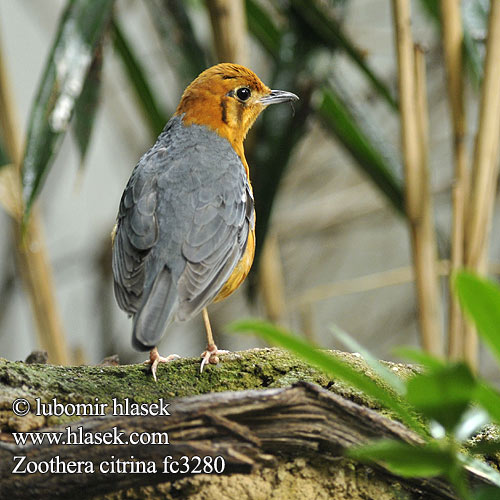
pixel 183 226
pixel 136 233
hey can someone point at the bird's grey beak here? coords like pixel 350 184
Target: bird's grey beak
pixel 277 96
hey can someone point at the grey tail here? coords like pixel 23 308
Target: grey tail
pixel 155 312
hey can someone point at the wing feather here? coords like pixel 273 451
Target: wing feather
pixel 182 227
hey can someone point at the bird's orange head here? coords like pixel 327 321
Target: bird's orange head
pixel 228 98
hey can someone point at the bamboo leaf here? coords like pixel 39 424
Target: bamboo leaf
pixel 79 33
pixel 481 468
pixel 443 394
pixel 473 59
pixel 475 21
pixel 4 157
pixel 473 420
pixel 152 113
pixel 337 118
pixel 381 370
pixel 405 459
pixel 489 398
pixel 483 447
pixel 263 29
pixel 86 105
pixel 472 56
pixel 490 493
pixel 419 356
pixel 480 299
pixel 273 146
pixel 330 364
pixel 330 33
pixel 179 40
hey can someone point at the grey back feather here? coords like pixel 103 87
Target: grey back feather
pixel 182 227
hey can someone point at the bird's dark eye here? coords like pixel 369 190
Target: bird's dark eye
pixel 243 93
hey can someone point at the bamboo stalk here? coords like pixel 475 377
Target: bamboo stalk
pixel 229 30
pixel 425 245
pixel 452 44
pixel 370 282
pixel 485 167
pixel 306 316
pixel 32 257
pixel 360 284
pixel 271 279
pixel 418 199
pixel 408 105
pixel 484 170
pixel 9 191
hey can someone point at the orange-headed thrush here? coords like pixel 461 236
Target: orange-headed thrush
pixel 185 231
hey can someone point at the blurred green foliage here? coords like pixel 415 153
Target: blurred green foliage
pixel 4 157
pixel 453 403
pixel 480 298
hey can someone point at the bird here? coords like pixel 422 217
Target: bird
pixel 185 231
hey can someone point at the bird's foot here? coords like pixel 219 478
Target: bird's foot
pixel 210 356
pixel 155 359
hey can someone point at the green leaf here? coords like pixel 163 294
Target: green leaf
pixel 432 9
pixel 273 145
pixel 86 105
pixel 489 493
pixel 153 114
pixel 480 299
pixel 342 123
pixel 79 34
pixel 472 56
pixel 489 398
pixel 178 38
pixel 442 394
pixel 263 28
pixel 330 32
pixel 473 60
pixel 381 370
pixel 481 468
pixel 484 447
pixel 405 459
pixel 4 157
pixel 418 356
pixel 475 21
pixel 473 420
pixel 330 364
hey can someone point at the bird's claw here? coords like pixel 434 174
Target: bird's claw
pixel 155 359
pixel 210 356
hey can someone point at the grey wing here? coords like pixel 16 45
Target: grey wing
pixel 136 233
pixel 217 238
pixel 144 284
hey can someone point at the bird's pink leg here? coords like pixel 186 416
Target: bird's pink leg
pixel 155 359
pixel 210 355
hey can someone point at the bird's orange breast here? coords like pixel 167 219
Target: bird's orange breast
pixel 241 270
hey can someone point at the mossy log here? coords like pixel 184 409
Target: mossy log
pixel 285 440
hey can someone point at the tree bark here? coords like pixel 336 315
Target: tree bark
pixel 281 442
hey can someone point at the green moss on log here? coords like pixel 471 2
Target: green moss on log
pixel 252 369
